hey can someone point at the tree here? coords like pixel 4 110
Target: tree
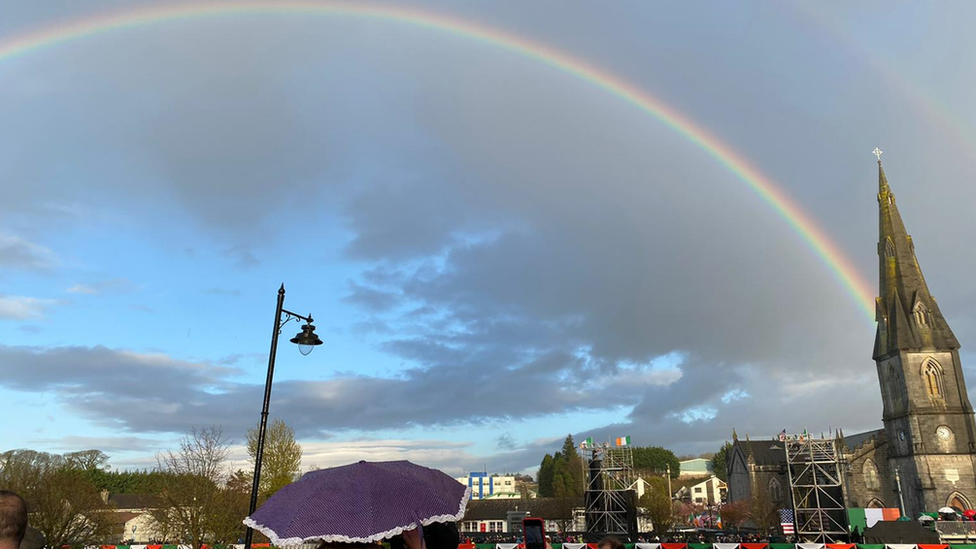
pixel 720 462
pixel 545 476
pixel 762 509
pixel 734 514
pixel 281 461
pixel 573 483
pixel 658 506
pixel 194 505
pixel 64 505
pixel 87 460
pixel 656 459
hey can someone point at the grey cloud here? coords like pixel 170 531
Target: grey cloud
pixel 372 298
pixel 241 257
pixel 110 387
pixel 20 254
pixel 105 444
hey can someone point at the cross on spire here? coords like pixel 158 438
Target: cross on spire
pixel 877 152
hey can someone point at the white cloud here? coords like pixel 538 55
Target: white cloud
pixel 23 308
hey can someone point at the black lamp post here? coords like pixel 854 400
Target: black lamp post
pixel 306 341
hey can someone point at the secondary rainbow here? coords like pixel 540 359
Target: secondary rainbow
pixel 815 238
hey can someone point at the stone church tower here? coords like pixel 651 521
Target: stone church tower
pixel 928 419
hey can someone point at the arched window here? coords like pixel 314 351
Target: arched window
pixel 870 472
pixel 932 375
pixel 889 248
pixel 922 316
pixel 958 502
pixel 775 490
pixel 876 503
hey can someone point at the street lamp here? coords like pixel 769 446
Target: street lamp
pixel 306 341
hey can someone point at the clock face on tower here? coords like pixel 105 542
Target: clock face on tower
pixel 943 432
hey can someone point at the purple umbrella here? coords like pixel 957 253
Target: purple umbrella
pixel 360 502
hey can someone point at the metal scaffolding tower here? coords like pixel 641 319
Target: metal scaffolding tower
pixel 609 474
pixel 816 486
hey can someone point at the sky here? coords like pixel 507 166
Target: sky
pixel 496 251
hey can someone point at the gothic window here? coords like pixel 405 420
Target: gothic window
pixel 775 490
pixel 889 248
pixel 932 375
pixel 922 316
pixel 958 502
pixel 870 472
pixel 875 503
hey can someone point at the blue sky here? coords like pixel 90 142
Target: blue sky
pixel 496 253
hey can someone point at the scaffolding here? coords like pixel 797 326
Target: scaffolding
pixel 609 474
pixel 815 472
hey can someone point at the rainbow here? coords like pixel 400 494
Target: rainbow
pixel 814 237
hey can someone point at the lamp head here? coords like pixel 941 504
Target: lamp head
pixel 307 339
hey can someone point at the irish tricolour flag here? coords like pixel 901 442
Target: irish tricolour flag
pixel 623 441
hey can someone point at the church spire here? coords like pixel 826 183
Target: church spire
pixel 907 314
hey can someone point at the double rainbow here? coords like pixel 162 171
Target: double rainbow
pixel 814 237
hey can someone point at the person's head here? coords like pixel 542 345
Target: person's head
pixel 13 520
pixel 610 542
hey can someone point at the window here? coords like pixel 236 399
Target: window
pixel 889 248
pixel 958 502
pixel 870 472
pixel 698 489
pixel 921 312
pixel 775 490
pixel 932 373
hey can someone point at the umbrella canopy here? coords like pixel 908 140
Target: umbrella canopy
pixel 33 539
pixel 947 511
pixel 925 518
pixel 969 513
pixel 361 502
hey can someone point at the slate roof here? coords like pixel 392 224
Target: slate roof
pixel 853 441
pixel 763 452
pixel 133 501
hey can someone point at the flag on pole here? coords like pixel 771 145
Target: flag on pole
pixel 623 441
pixel 786 521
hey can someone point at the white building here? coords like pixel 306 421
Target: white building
pixel 133 513
pixel 484 486
pixel 708 491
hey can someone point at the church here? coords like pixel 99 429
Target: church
pixel 927 447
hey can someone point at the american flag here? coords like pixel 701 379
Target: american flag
pixel 786 521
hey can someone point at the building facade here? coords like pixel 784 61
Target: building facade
pixel 697 467
pixel 927 447
pixel 485 486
